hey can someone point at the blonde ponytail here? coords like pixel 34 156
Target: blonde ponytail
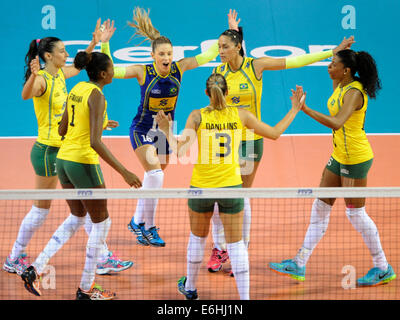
pixel 217 98
pixel 216 88
pixel 143 26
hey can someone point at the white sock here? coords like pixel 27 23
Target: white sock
pixel 32 221
pixel 218 233
pixel 240 266
pixel 94 246
pixel 146 208
pixel 319 221
pixel 246 222
pixel 64 232
pixel 88 228
pixel 364 225
pixel 195 254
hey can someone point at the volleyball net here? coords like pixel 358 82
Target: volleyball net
pixel 279 221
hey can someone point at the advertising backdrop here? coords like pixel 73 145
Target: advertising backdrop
pixel 276 28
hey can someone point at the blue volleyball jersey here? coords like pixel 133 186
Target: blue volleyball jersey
pixel 157 93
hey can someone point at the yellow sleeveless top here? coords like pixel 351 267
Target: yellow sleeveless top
pixel 350 143
pixel 244 90
pixel 76 145
pixel 49 108
pixel 219 136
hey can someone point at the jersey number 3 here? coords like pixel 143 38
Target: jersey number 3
pixel 225 141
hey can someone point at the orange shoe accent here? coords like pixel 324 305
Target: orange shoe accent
pixel 96 292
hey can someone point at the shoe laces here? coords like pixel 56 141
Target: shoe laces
pixel 373 272
pixel 114 256
pixel 215 254
pixel 23 259
pixel 154 233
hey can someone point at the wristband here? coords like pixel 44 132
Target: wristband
pixel 119 72
pixel 208 55
pixel 105 48
pixel 306 59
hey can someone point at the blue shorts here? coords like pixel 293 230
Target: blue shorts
pixel 156 138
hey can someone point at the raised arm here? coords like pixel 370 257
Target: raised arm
pixel 179 147
pixel 352 101
pixel 193 62
pixel 96 104
pixel 233 21
pixel 267 63
pixel 250 121
pixel 71 71
pixel 35 86
pixel 129 72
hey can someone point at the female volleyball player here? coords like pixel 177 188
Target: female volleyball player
pixel 355 78
pixel 244 77
pixel 47 88
pixel 78 167
pixel 159 84
pixel 218 128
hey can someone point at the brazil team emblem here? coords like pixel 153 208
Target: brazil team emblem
pixel 243 86
pixel 172 91
pixel 235 100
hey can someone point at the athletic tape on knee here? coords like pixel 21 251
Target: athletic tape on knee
pixel 195 251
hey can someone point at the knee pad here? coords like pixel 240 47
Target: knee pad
pixel 361 221
pixel 320 214
pixel 36 217
pixel 98 234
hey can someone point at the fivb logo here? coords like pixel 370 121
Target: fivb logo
pixel 305 192
pixel 195 192
pixel 85 193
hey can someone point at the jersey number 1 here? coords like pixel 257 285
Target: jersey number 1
pixel 72 123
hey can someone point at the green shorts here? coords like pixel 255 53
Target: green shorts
pixel 43 159
pixel 80 175
pixel 251 150
pixel 354 171
pixel 230 206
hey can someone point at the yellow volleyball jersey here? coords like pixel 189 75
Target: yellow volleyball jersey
pixel 49 108
pixel 244 90
pixel 76 145
pixel 219 136
pixel 350 143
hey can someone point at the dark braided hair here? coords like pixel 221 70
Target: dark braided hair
pixel 364 65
